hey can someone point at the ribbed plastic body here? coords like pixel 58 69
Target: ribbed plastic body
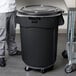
pixel 39 40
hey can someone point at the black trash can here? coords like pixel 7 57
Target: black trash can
pixel 39 32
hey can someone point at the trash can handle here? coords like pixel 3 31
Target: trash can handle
pixel 34 19
pixel 61 20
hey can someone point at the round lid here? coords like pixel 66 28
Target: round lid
pixel 40 10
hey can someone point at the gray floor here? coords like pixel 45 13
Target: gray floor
pixel 15 65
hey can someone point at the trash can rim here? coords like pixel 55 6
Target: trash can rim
pixel 40 10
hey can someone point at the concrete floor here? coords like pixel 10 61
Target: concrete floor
pixel 15 65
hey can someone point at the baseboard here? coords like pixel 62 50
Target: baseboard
pixel 17 31
pixel 62 31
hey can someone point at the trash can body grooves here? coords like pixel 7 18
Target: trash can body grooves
pixel 39 33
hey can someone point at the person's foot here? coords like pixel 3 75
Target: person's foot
pixel 16 53
pixel 2 62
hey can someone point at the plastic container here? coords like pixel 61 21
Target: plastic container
pixel 39 32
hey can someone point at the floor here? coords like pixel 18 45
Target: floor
pixel 15 65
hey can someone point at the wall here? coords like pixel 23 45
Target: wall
pixel 70 3
pixel 57 3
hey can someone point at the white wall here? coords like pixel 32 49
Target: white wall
pixel 57 3
pixel 70 3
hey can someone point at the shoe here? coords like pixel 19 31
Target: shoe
pixel 2 62
pixel 16 53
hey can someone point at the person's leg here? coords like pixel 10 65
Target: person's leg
pixel 2 38
pixel 11 28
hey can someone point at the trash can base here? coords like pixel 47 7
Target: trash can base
pixel 41 69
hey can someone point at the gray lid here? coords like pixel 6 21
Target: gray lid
pixel 40 10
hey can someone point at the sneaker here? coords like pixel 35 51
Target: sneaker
pixel 2 62
pixel 16 53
